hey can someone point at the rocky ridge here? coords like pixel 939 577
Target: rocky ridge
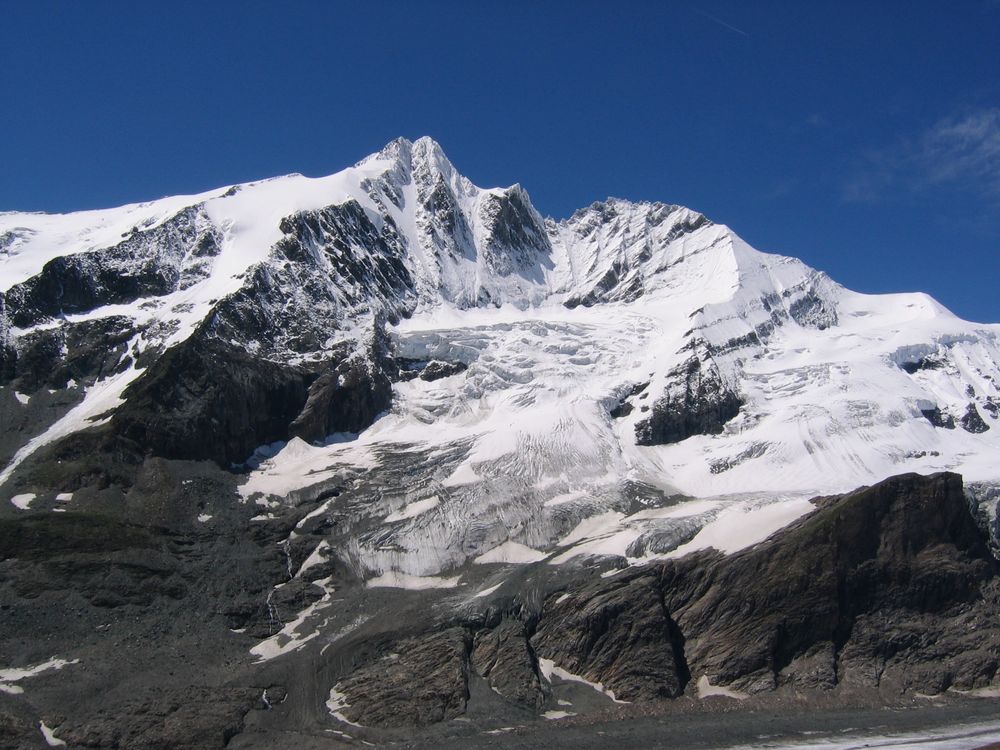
pixel 889 590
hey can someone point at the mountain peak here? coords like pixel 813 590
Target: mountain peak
pixel 405 151
pixel 398 149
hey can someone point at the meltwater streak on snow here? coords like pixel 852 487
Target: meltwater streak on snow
pixel 297 633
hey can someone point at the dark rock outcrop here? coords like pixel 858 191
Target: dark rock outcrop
pixel 436 370
pixel 891 588
pixel 812 309
pixel 619 283
pixel 192 718
pixel 504 657
pixel 625 405
pixel 422 681
pixel 428 370
pixel 827 600
pixel 616 632
pixel 8 352
pixel 930 362
pixel 136 613
pixel 148 263
pixel 697 402
pixel 516 240
pixel 939 418
pixel 992 407
pixel 207 399
pixel 626 276
pixel 972 421
pixel 350 394
pixel 85 352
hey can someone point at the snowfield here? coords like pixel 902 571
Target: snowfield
pixel 570 332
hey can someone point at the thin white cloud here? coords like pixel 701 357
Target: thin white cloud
pixel 719 21
pixel 956 153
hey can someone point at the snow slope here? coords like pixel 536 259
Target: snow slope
pixel 571 333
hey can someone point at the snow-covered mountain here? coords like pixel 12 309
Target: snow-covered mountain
pixel 393 379
pixel 629 353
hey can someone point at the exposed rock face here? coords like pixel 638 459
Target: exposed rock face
pixel 208 399
pixel 239 381
pixel 815 603
pixel 149 263
pixel 618 633
pixel 339 258
pixel 632 244
pixel 939 418
pixel 517 242
pixel 877 588
pixel 930 362
pixel 812 310
pixel 697 402
pixel 436 370
pixel 108 564
pixel 136 611
pixel 83 352
pixel 985 498
pixel 890 588
pixel 991 407
pixel 474 248
pixel 8 352
pixel 349 395
pixel 972 421
pixel 195 718
pixel 423 681
pixel 504 657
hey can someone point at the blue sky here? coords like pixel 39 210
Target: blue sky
pixel 862 137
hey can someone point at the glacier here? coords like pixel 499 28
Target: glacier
pixel 572 343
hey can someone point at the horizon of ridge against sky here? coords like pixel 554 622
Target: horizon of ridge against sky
pixel 862 138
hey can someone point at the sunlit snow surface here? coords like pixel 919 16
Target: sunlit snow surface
pixel 521 448
pixel 517 459
pixel 548 670
pixel 10 676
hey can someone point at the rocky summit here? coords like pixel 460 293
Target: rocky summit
pixel 386 457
